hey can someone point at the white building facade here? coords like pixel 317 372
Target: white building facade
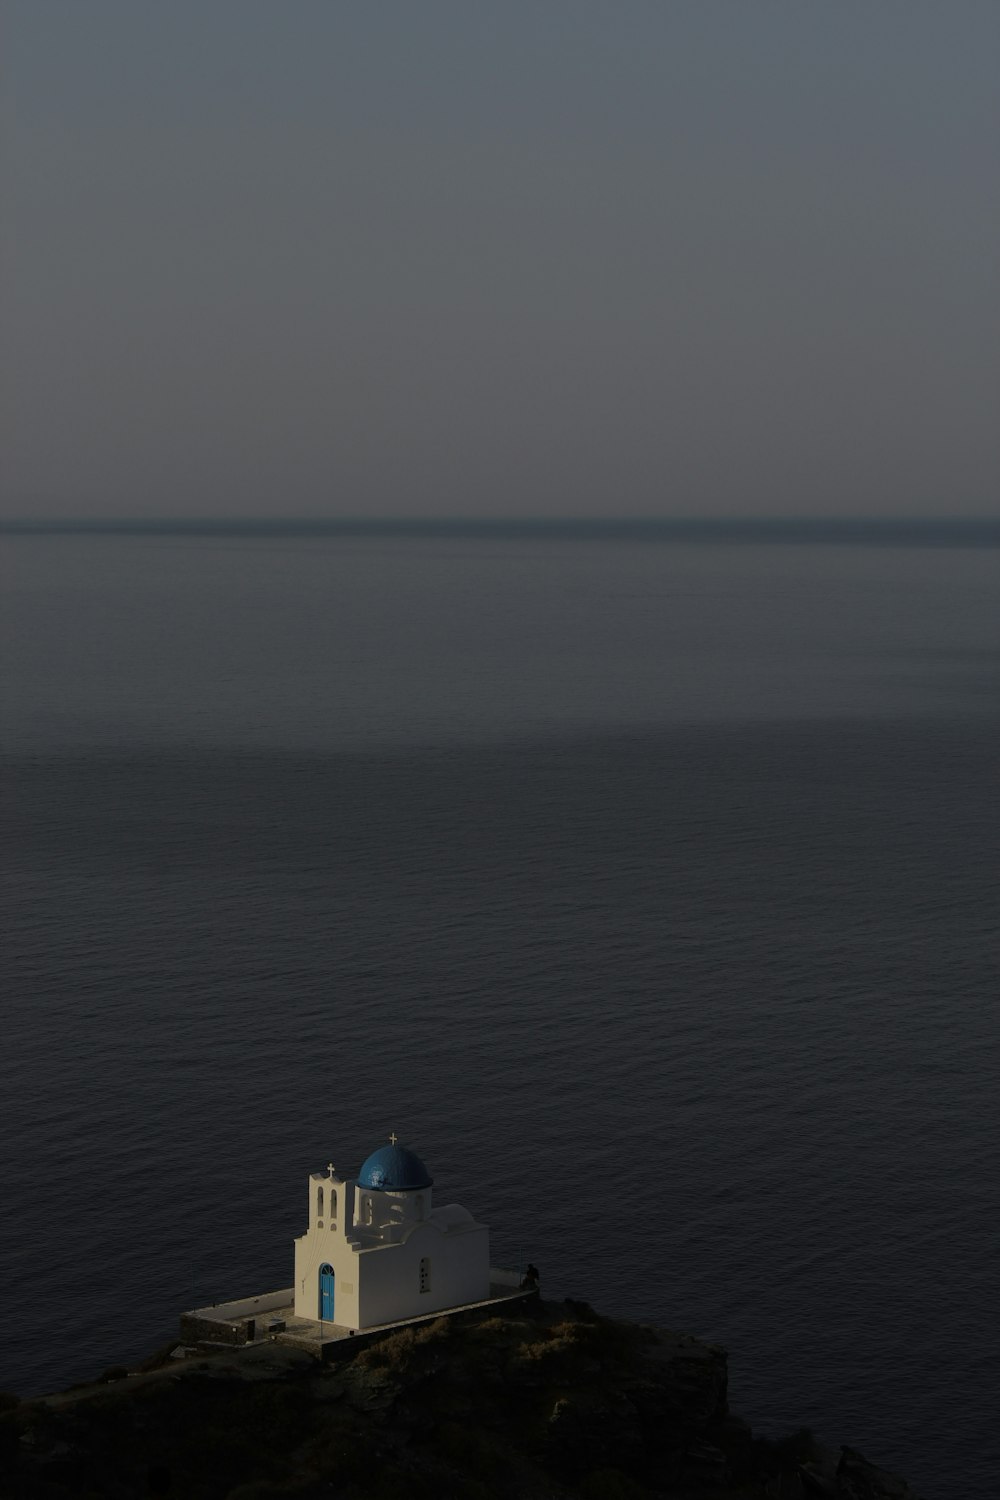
pixel 378 1251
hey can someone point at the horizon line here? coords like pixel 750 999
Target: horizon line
pixel 925 530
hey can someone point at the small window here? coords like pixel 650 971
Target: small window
pixel 369 1211
pixel 333 1205
pixel 319 1206
pixel 425 1274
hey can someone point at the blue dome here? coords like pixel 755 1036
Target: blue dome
pixel 394 1170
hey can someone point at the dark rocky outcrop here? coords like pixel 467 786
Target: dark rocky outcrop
pixel 549 1401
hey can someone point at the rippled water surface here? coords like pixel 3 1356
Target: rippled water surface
pixel 648 890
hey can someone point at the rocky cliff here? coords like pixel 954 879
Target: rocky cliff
pixel 550 1401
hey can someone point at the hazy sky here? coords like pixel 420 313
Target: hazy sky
pixel 525 257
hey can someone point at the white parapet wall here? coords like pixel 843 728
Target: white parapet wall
pixel 245 1320
pixel 504 1278
pixel 246 1307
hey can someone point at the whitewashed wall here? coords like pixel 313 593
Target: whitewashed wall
pixel 376 1255
pixel 459 1273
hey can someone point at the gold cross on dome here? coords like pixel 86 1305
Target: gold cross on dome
pixel 393 1138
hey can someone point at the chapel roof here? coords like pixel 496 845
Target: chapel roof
pixel 394 1169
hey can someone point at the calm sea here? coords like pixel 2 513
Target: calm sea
pixel 645 883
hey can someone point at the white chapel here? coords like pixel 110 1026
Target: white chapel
pixel 377 1251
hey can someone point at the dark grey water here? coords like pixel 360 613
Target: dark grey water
pixel 648 889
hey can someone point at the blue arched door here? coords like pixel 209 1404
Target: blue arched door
pixel 326 1293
